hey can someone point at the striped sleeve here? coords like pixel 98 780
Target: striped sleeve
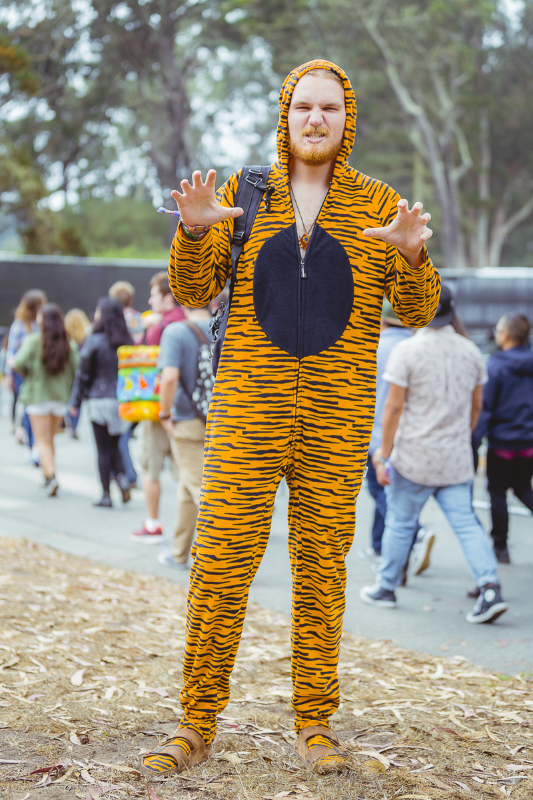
pixel 413 292
pixel 198 271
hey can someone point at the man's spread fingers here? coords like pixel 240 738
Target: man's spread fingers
pixel 373 232
pixel 197 179
pixel 176 195
pixel 186 186
pixel 403 205
pixel 417 208
pixel 210 177
pixel 425 217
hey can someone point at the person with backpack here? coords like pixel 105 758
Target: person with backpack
pixel 96 383
pixel 185 390
pixel 47 362
pixel 294 394
pixel 155 444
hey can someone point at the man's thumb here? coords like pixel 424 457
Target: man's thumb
pixel 235 212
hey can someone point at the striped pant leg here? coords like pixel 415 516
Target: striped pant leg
pixel 233 528
pixel 324 479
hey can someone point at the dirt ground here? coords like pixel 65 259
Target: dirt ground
pixel 90 672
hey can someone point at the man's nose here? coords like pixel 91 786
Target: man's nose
pixel 315 117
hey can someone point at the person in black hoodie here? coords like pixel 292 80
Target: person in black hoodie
pixel 96 382
pixel 507 421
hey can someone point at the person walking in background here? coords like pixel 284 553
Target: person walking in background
pixel 96 382
pixel 165 309
pixel 78 327
pixel 25 323
pixel 436 383
pixel 155 441
pixel 124 292
pixel 178 360
pixel 507 420
pixel 392 332
pixel 47 361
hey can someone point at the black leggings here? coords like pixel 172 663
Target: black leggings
pixel 503 474
pixel 109 458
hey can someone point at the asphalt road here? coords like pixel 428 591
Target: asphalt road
pixel 432 608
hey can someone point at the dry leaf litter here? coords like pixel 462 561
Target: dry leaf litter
pixel 90 673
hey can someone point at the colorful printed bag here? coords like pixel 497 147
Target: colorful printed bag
pixel 138 382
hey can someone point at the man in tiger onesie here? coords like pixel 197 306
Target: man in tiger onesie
pixel 294 396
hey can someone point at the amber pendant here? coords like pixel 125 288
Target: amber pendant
pixel 304 241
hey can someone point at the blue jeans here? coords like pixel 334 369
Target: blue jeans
pixel 405 501
pixel 123 446
pixel 17 385
pixel 377 493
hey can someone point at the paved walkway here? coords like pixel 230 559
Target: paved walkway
pixel 431 615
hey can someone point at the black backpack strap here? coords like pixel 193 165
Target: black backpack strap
pixel 251 189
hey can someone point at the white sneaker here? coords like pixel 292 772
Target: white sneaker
pixel 33 457
pixel 369 554
pixel 422 550
pixel 167 559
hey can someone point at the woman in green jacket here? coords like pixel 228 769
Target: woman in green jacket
pixel 48 363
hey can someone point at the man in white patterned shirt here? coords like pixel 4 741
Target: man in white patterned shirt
pixel 436 390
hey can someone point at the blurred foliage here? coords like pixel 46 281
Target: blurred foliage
pixel 123 228
pixel 130 96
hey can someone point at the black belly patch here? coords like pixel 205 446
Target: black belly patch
pixel 303 316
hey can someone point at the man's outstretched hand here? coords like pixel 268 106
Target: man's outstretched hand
pixel 198 204
pixel 409 232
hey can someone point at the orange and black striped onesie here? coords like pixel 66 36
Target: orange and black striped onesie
pixel 294 397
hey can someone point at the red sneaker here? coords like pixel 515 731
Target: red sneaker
pixel 148 537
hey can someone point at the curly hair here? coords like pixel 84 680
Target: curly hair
pixel 56 349
pixel 77 324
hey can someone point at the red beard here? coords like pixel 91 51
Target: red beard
pixel 312 155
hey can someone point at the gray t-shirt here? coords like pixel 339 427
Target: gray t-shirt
pixel 179 348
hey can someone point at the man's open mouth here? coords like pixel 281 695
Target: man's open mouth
pixel 314 138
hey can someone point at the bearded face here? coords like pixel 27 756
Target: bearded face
pixel 314 146
pixel 317 116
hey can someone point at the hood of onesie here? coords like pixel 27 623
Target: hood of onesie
pixel 285 100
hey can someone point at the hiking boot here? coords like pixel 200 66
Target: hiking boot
pixel 502 555
pixel 148 537
pixel 489 606
pixel 377 596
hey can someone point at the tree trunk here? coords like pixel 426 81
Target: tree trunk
pixel 502 227
pixel 482 227
pixel 426 140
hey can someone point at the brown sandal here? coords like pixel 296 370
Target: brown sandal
pixel 319 747
pixel 192 750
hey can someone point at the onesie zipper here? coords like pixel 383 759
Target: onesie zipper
pixel 301 288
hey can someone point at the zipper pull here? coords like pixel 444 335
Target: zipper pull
pixel 302 269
